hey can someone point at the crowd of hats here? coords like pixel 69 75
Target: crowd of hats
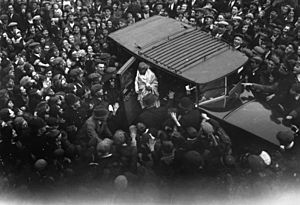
pixel 58 68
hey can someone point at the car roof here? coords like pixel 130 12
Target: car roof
pixel 180 49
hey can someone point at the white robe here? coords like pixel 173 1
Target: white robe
pixel 142 81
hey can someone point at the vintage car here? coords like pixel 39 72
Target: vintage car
pixel 196 62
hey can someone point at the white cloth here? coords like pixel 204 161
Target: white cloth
pixel 142 81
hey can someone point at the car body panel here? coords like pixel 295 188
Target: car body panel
pixel 254 117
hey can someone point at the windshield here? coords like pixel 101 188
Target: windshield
pixel 222 94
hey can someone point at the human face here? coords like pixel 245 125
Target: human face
pixel 142 71
pixel 220 18
pixel 46 33
pixel 49 74
pixel 66 44
pixel 10 83
pixel 146 9
pixel 71 39
pixel 77 105
pixel 63 80
pixel 100 93
pixel 109 2
pixel 35 76
pixel 286 29
pixel 107 12
pixel 234 10
pixel 193 21
pixel 292 13
pixel 37 49
pixel 56 52
pixel 90 49
pixel 109 24
pixel 276 31
pixel 10 104
pixel 10 9
pixel 115 7
pixel 283 69
pixel 71 18
pixel 67 31
pixel 32 30
pixel 46 48
pixel 208 21
pixel 248 21
pixel 103 25
pixel 183 7
pixel 24 124
pixel 284 9
pixel 237 41
pixel 296 68
pixel 100 68
pixel 289 49
pixel 271 65
pixel 84 40
pixel 273 14
pixel 85 20
pixel 245 28
pixel 76 29
pixel 105 32
pixel 129 16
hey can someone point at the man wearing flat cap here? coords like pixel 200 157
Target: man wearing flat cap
pixel 145 82
pixel 268 79
pixel 252 69
pixel 35 58
pixel 238 41
pixel 37 20
pixel 221 31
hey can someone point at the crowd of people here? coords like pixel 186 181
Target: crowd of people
pixel 60 109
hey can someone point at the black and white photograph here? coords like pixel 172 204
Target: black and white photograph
pixel 150 102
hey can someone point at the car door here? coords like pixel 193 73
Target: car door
pixel 126 76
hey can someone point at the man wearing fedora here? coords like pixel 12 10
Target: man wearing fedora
pixel 94 130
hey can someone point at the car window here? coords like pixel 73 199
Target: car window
pixel 222 94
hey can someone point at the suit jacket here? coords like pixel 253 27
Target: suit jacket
pixel 14 18
pixel 144 15
pixel 191 118
pixel 153 117
pixel 171 9
pixel 92 132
